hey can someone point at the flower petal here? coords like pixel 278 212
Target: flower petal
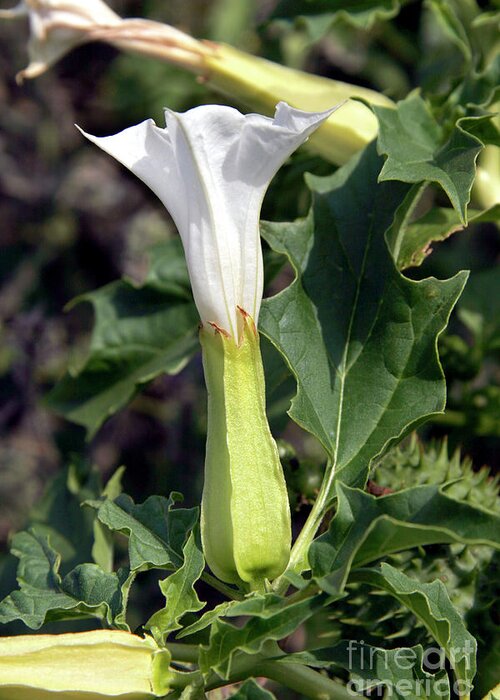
pixel 211 167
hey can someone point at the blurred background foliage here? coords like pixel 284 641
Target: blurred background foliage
pixel 73 220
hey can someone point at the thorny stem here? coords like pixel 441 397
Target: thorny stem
pixel 298 555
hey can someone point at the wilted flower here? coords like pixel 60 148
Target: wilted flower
pixel 57 26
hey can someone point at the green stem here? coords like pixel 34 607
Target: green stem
pixel 303 680
pixel 297 677
pixel 298 555
pixel 229 592
pixel 183 652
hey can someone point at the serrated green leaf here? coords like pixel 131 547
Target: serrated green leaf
pixel 156 531
pixel 86 591
pixel 433 227
pixel 272 618
pixel 319 17
pixel 139 333
pixel 419 150
pixel 178 589
pixel 359 338
pixel 251 690
pixel 430 603
pixel 400 670
pixel 207 619
pixel 366 528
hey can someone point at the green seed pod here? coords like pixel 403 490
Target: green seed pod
pixel 245 516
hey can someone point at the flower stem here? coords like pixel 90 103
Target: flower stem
pixel 298 555
pixel 303 680
pixel 183 652
pixel 297 677
pixel 229 592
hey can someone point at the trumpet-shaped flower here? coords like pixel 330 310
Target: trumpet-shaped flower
pixel 211 167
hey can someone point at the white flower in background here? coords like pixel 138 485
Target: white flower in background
pixel 58 26
pixel 211 167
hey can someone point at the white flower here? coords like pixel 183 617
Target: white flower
pixel 211 167
pixel 57 26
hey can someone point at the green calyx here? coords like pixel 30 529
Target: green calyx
pixel 245 516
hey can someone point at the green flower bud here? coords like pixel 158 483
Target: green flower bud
pixel 245 516
pixel 82 666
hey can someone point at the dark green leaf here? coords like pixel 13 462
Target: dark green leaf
pixel 207 619
pixel 59 515
pixel 272 618
pixel 178 589
pixel 400 670
pixel 450 22
pixel 138 334
pixel 86 591
pixel 319 16
pixel 430 603
pixel 366 528
pixel 359 338
pixel 479 308
pixel 251 690
pixel 478 89
pixel 157 531
pixel 433 227
pixel 418 150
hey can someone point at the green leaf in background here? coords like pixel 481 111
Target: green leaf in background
pixel 433 227
pixel 478 89
pixel 139 333
pixel 366 528
pixel 447 18
pixel 358 336
pixel 178 589
pixel 86 591
pixel 479 309
pixel 156 531
pixel 416 150
pixel 272 618
pixel 103 547
pixel 400 670
pixel 60 518
pixel 319 17
pixel 430 603
pixel 251 690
